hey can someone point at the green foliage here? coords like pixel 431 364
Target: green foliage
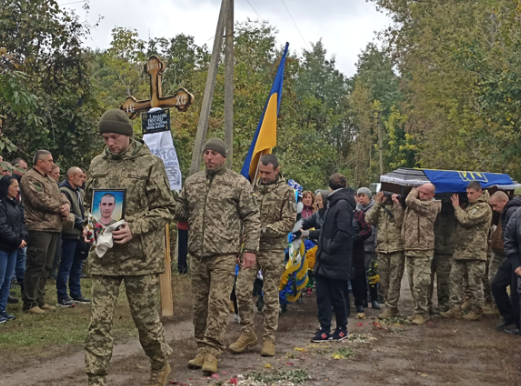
pixel 46 98
pixel 294 376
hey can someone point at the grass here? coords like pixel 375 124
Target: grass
pixel 63 331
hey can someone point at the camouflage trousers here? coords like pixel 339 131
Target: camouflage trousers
pixel 441 264
pixel 390 269
pixel 142 294
pixel 474 270
pixel 493 265
pixel 419 267
pixel 212 284
pixel 272 265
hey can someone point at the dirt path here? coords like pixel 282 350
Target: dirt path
pixel 441 352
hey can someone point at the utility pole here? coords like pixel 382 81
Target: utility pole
pixel 228 85
pixel 202 126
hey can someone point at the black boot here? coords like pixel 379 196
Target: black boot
pixel 375 305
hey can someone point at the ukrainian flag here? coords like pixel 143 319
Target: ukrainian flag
pixel 265 137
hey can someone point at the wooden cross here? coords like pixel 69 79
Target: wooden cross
pixel 181 100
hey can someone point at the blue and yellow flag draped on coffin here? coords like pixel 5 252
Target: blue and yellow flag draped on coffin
pixel 265 138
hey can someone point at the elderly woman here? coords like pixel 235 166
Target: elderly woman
pixel 13 236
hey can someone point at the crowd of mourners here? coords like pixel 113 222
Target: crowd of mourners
pixel 473 256
pixel 34 247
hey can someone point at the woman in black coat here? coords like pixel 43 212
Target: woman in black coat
pixel 333 265
pixel 13 236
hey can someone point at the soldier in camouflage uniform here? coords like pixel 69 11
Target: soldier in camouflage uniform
pixel 217 203
pixel 444 245
pixel 418 235
pixel 137 257
pixel 387 215
pixel 277 215
pixel 470 255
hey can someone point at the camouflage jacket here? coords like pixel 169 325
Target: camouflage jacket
pixel 389 237
pixel 278 212
pixel 444 231
pixel 418 223
pixel 472 229
pixel 149 206
pixel 216 205
pixel 42 201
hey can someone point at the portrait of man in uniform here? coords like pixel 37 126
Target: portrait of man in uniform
pixel 108 206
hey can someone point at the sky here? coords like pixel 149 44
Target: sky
pixel 345 26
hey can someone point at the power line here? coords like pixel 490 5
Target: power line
pixel 74 2
pixel 254 10
pixel 289 13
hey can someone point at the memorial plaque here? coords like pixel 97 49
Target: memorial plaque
pixel 156 122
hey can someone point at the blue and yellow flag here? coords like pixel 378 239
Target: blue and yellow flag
pixel 265 137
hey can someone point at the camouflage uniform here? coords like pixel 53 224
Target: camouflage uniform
pixel 216 204
pixel 471 251
pixel 418 235
pixel 149 207
pixel 444 245
pixel 388 218
pixel 277 216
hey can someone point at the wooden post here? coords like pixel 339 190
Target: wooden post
pixel 165 281
pixel 202 126
pixel 228 85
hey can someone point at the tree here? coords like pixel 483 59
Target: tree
pixel 53 106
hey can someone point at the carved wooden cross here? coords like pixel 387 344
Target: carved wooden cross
pixel 181 100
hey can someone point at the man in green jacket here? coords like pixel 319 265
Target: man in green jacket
pixel 470 256
pixel 418 234
pixel 387 215
pixel 278 212
pixel 137 257
pixel 221 210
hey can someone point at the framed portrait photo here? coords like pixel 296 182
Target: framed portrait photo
pixel 108 205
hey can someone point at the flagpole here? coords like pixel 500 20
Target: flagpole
pixel 257 170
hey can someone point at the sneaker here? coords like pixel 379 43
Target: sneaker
pixel 359 309
pixel 321 336
pixel 3 319
pixel 340 334
pixel 65 303
pixel 81 300
pixel 504 325
pixel 7 316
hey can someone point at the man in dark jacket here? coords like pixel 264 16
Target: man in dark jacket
pixel 71 263
pixel 507 306
pixel 512 239
pixel 333 266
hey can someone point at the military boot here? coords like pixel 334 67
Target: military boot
pixel 159 376
pixel 97 380
pixel 475 314
pixel 197 362
pixel 209 365
pixel 453 313
pixel 466 306
pixel 268 349
pixel 420 319
pixel 388 313
pixel 243 342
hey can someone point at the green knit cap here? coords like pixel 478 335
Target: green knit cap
pixel 115 121
pixel 517 191
pixel 217 145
